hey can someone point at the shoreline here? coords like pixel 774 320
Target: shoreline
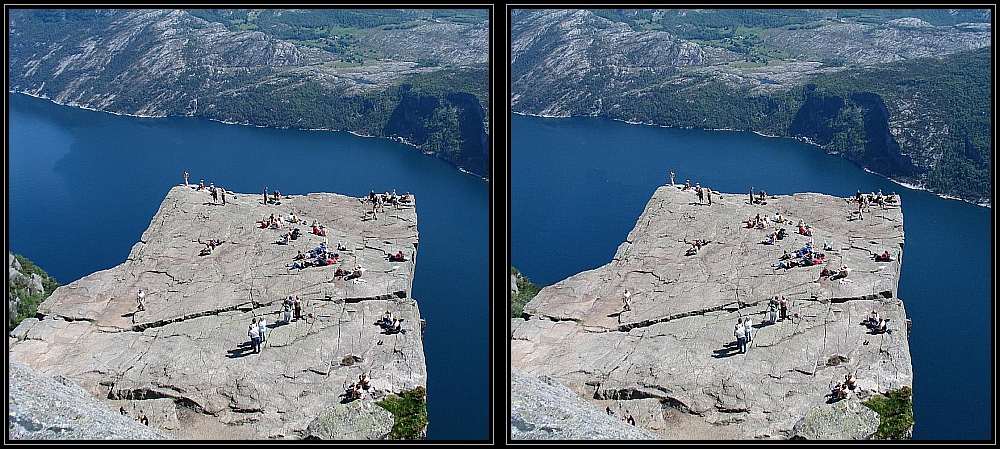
pixel 245 123
pixel 800 139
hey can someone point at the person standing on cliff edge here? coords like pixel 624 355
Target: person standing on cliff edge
pixel 741 335
pixel 671 178
pixel 185 178
pixel 141 299
pixel 265 195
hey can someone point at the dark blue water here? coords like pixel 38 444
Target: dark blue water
pixel 577 187
pixel 83 186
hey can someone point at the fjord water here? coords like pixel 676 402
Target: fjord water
pixel 578 185
pixel 83 186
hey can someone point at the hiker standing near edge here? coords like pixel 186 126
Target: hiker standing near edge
pixel 286 307
pixel 254 333
pixel 741 335
pixel 671 178
pixel 627 300
pixel 141 299
pixel 185 178
pixel 748 327
pixel 265 194
pixel 262 327
pixel 298 308
pixel 223 195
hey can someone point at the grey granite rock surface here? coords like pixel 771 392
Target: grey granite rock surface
pixel 46 408
pixel 676 345
pixel 190 348
pixel 544 409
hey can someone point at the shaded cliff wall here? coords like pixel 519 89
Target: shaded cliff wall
pixel 452 127
pixel 855 126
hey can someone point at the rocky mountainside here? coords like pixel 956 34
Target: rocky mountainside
pixel 671 357
pixel 159 63
pixel 54 408
pixel 708 69
pixel 544 409
pixel 185 357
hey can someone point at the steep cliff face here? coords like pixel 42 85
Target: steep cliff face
pixel 451 127
pixel 671 357
pixel 185 357
pixel 832 120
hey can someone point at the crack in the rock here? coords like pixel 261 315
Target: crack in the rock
pixel 401 294
pixel 887 294
pixel 160 323
pixel 646 323
pixel 557 319
pixel 172 278
pixel 655 276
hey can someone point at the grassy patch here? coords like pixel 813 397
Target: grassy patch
pixel 895 412
pixel 410 412
pixel 525 291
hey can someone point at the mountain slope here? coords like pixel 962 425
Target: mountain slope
pixel 279 68
pixel 905 97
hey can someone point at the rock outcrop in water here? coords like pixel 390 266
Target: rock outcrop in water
pixel 186 359
pixel 672 359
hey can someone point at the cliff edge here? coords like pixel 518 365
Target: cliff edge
pixel 186 360
pixel 672 358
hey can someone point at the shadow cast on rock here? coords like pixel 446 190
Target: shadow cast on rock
pixel 731 349
pixel 245 349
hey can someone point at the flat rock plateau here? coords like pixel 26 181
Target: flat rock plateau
pixel 672 360
pixel 186 361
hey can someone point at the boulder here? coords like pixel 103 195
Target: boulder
pixel 841 420
pixel 355 420
pixel 46 408
pixel 543 409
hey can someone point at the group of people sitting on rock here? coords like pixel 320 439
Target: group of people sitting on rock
pixel 758 222
pixel 695 246
pixel 318 257
pixel 379 201
pixel 843 390
pixel 210 246
pixel 839 274
pixel 884 257
pixel 876 324
pixel 398 257
pixel 272 222
pixel 390 324
pixel 357 391
pixel 294 234
pixel 776 235
pixel 865 200
pixel 803 257
pixel 319 229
